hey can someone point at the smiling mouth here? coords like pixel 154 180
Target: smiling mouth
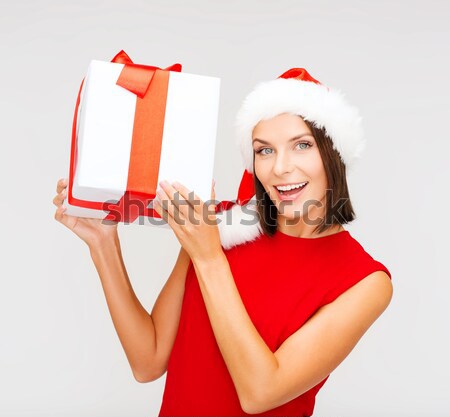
pixel 292 191
pixel 289 195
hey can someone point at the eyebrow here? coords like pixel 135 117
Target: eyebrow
pixel 290 140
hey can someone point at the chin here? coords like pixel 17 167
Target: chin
pixel 291 212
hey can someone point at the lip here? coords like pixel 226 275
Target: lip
pixel 291 197
pixel 291 183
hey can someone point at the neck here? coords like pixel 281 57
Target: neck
pixel 298 228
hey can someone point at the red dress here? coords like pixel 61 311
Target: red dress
pixel 282 281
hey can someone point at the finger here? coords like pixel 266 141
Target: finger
pixel 201 208
pixel 189 196
pixel 192 207
pixel 210 206
pixel 61 184
pixel 166 207
pixel 178 207
pixel 59 214
pixel 160 208
pixel 165 215
pixel 59 198
pixel 213 191
pixel 212 203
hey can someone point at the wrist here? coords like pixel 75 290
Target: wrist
pixel 212 263
pixel 104 243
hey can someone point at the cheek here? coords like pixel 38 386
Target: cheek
pixel 313 167
pixel 317 174
pixel 263 173
pixel 261 170
pixel 321 175
pixel 322 183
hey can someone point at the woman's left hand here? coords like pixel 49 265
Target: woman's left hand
pixel 192 220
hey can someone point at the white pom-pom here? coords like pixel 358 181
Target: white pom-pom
pixel 238 225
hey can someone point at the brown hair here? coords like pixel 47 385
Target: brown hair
pixel 336 212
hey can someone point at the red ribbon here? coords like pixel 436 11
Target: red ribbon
pixel 150 85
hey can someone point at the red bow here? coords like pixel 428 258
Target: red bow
pixel 137 79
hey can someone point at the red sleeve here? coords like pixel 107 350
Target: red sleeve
pixel 356 271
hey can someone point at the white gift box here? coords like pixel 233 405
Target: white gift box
pixel 104 138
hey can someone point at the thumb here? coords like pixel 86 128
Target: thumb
pixel 213 191
pixel 213 195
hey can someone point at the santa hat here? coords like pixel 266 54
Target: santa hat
pixel 294 92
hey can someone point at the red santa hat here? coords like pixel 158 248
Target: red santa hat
pixel 295 92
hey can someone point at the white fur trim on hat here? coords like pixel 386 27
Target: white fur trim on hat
pixel 314 102
pixel 238 225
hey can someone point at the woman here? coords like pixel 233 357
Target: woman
pixel 256 314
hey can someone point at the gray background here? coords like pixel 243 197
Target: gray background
pixel 59 353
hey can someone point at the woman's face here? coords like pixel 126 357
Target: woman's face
pixel 286 154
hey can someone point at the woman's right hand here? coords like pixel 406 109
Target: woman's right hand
pixel 91 231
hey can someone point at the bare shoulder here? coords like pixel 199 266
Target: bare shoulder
pixel 377 286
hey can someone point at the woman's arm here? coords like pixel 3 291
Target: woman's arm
pixel 147 339
pixel 167 311
pixel 265 380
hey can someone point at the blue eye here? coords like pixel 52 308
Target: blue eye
pixel 308 145
pixel 261 151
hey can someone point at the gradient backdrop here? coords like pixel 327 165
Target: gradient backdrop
pixel 59 353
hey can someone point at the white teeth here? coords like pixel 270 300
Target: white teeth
pixel 290 187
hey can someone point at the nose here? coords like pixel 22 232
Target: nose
pixel 283 164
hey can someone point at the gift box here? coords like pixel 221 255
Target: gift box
pixel 135 125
